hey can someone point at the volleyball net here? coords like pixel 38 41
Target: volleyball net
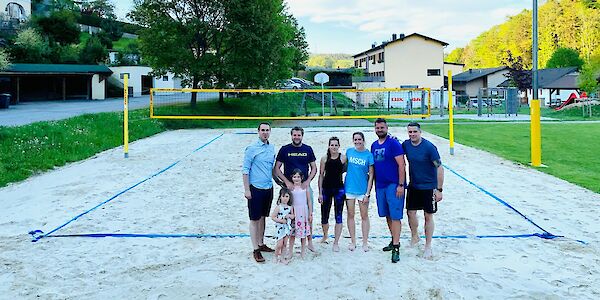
pixel 289 104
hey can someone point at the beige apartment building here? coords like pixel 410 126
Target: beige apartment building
pixel 411 60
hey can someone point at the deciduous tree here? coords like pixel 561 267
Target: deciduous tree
pixel 564 57
pixel 215 43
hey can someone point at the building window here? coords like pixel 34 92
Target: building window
pixel 165 78
pixel 433 72
pixel 122 75
pixel 372 58
pixel 380 57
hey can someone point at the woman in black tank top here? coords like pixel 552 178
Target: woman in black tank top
pixel 331 189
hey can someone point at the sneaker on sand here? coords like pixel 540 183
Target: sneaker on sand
pixel 389 247
pixel 265 248
pixel 395 254
pixel 258 256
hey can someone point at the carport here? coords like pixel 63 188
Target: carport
pixel 41 82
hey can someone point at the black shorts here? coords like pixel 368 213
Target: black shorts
pixel 421 200
pixel 260 204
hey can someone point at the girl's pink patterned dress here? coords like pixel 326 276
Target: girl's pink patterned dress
pixel 301 224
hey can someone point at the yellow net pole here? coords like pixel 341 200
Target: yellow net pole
pixel 536 134
pixel 450 113
pixel 126 115
pixel 151 102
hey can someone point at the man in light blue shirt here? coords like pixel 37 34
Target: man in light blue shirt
pixel 257 170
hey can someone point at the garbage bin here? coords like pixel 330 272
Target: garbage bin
pixel 4 100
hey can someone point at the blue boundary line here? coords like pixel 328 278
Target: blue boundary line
pixel 243 235
pixel 38 234
pixel 498 199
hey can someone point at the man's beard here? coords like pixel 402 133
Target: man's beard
pixel 381 134
pixel 296 144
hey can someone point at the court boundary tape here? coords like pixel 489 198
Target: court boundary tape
pixel 38 234
pixel 244 235
pixel 498 199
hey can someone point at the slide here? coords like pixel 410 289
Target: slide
pixel 569 101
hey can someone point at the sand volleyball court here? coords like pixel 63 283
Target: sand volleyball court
pixel 177 223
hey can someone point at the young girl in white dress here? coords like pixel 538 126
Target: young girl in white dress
pixel 283 216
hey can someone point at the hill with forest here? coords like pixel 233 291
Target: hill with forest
pixel 335 60
pixel 573 24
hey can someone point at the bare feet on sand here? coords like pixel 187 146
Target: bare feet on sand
pixel 311 248
pixel 428 254
pixel 351 247
pixel 365 247
pixel 336 248
pixel 324 240
pixel 414 241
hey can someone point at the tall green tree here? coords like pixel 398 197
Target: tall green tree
pixel 60 27
pixel 564 57
pixel 455 55
pixel 30 47
pixel 4 60
pixel 213 43
pixel 93 52
pixel 590 75
pixel 571 24
pixel 99 8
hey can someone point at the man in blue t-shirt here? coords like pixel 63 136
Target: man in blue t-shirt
pixel 297 156
pixel 426 182
pixel 390 175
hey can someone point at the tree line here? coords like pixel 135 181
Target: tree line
pixel 220 43
pixel 335 60
pixel 52 34
pixel 568 35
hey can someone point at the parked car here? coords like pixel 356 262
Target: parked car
pixel 288 85
pixel 303 82
pixel 475 103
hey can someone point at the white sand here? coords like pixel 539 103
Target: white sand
pixel 203 194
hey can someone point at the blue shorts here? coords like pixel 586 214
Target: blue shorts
pixel 388 205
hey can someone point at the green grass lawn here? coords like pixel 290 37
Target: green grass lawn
pixel 568 150
pixel 31 149
pixel 573 114
pixel 118 45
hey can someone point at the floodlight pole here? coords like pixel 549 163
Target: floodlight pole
pixel 536 133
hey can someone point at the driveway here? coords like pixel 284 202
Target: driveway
pixel 30 112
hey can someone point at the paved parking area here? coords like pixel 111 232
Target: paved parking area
pixel 30 112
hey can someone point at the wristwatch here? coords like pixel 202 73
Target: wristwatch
pixel 440 190
pixel 401 184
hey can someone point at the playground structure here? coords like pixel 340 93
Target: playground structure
pixel 583 100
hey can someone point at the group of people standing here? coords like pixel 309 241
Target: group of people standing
pixel 383 165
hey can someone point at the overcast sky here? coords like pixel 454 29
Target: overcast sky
pixel 351 26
